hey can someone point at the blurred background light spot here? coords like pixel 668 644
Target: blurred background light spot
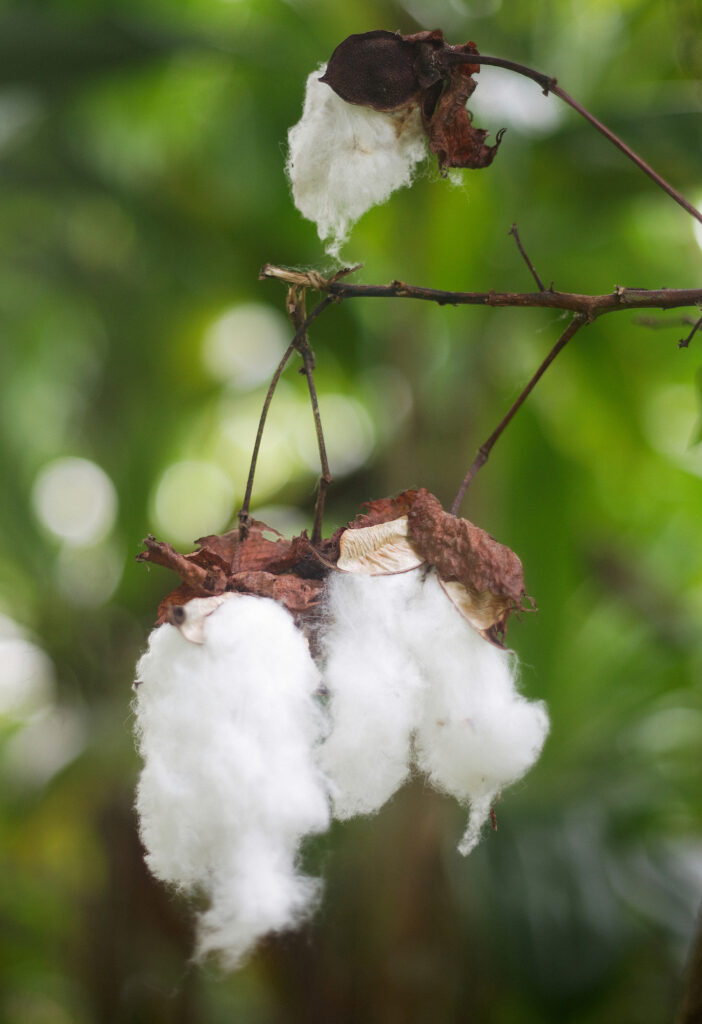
pixel 100 234
pixel 235 431
pixel 504 100
pixel 389 397
pixel 243 346
pixel 51 739
pixel 88 576
pixel 348 433
pixel 23 1007
pixel 670 730
pixel 26 673
pixel 18 109
pixel 670 420
pixel 286 519
pixel 192 498
pixel 75 500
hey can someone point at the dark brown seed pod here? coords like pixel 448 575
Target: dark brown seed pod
pixel 374 69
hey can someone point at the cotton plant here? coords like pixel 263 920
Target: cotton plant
pixel 289 681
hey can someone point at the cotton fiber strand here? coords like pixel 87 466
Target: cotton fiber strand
pixel 343 159
pixel 476 734
pixel 229 786
pixel 374 687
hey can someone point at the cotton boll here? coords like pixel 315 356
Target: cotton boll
pixel 343 159
pixel 229 785
pixel 374 688
pixel 477 734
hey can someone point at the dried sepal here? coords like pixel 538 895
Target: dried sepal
pixel 449 125
pixel 461 552
pixel 382 510
pixel 244 562
pixel 379 550
pixel 189 618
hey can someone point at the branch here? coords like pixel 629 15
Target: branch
pixel 578 321
pixel 514 231
pixel 296 312
pixel 685 342
pixel 591 306
pixel 548 85
pixel 243 513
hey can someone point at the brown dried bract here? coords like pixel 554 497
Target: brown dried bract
pixel 481 577
pixel 383 510
pixel 466 554
pixel 246 562
pixel 449 125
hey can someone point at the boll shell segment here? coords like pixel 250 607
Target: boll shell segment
pixel 343 159
pixel 411 682
pixel 229 787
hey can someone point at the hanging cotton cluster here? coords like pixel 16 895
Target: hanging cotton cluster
pixel 226 723
pixel 343 159
pixel 401 663
pixel 406 608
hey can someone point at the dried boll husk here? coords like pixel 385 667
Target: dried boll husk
pixel 378 550
pixel 385 71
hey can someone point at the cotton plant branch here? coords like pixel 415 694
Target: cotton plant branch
pixel 297 314
pixel 550 85
pixel 578 321
pixel 586 309
pixel 591 306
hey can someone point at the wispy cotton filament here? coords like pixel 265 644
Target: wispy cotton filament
pixel 229 786
pixel 343 159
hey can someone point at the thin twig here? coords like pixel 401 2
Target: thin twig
pixel 548 85
pixel 481 458
pixel 591 306
pixel 243 513
pixel 296 312
pixel 658 323
pixel 685 342
pixel 514 231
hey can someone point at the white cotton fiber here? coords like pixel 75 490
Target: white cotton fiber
pixel 374 688
pixel 229 786
pixel 476 733
pixel 343 159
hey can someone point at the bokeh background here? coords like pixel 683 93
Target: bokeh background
pixel 141 188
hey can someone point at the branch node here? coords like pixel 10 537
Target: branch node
pixel 685 342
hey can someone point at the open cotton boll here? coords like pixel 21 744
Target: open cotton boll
pixel 343 159
pixel 374 689
pixel 477 734
pixel 229 787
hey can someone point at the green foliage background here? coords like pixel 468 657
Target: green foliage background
pixel 141 188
